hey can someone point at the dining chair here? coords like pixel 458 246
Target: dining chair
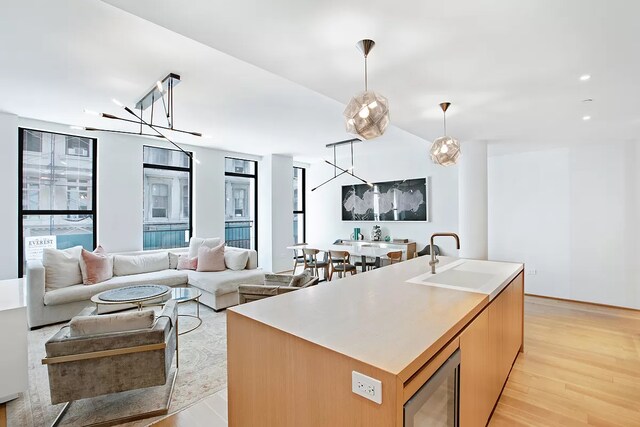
pixel 339 262
pixel 394 256
pixel 371 262
pixel 311 262
pixel 298 257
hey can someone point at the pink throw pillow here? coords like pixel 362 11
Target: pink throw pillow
pixel 211 259
pixel 186 263
pixel 96 266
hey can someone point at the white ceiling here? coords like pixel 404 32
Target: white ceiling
pixel 58 58
pixel 511 68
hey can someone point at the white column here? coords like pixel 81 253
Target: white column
pixel 275 212
pixel 9 213
pixel 472 200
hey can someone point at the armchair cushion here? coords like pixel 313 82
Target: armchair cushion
pixel 107 323
pixel 301 280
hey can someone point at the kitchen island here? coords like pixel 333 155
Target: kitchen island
pixel 292 358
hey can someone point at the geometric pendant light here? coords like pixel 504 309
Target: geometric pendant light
pixel 445 150
pixel 367 114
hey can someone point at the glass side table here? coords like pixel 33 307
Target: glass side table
pixel 183 295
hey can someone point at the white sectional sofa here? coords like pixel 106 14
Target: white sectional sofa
pixel 219 289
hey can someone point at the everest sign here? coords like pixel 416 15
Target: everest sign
pixel 35 246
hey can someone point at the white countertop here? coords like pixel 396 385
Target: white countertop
pixel 483 277
pixel 12 294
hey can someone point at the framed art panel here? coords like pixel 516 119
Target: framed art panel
pixel 406 200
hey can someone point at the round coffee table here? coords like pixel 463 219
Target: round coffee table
pixel 135 294
pixel 182 295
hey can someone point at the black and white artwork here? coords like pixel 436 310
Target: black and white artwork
pixel 405 200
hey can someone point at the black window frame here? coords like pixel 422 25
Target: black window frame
pixel 189 169
pixel 303 212
pixel 253 175
pixel 93 212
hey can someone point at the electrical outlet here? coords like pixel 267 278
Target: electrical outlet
pixel 532 272
pixel 367 387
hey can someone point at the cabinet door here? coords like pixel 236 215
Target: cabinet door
pixel 488 347
pixel 477 372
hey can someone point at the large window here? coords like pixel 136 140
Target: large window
pixel 240 224
pixel 299 205
pixel 167 198
pixel 58 197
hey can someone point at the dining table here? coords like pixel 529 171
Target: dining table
pixel 362 250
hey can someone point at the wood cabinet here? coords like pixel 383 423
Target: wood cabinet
pixel 489 347
pixel 291 357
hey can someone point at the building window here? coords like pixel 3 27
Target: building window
pixel 77 146
pixel 32 141
pixel 58 191
pixel 159 200
pixel 185 201
pixel 299 205
pixel 241 183
pixel 167 198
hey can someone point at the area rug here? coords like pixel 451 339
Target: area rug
pixel 203 371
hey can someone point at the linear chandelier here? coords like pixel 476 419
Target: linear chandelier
pixel 161 90
pixel 336 168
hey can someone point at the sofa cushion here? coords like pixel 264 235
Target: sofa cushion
pixel 211 259
pixel 173 260
pixel 96 266
pixel 125 265
pixel 108 323
pixel 236 260
pixel 224 282
pixel 186 263
pixel 62 267
pixel 84 293
pixel 196 242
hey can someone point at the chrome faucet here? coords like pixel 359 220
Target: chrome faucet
pixel 435 260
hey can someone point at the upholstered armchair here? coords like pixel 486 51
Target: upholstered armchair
pixel 96 355
pixel 275 284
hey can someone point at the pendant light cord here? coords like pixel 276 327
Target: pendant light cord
pixel 445 123
pixel 365 74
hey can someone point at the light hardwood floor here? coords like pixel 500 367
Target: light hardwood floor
pixel 581 367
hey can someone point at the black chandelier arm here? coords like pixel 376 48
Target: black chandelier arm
pixel 130 111
pixel 347 171
pixel 329 180
pixel 92 129
pixel 112 117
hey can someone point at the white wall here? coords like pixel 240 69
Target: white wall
pixel 396 155
pixel 120 188
pixel 9 211
pixel 571 214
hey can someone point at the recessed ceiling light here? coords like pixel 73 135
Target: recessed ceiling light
pixel 585 118
pixel 76 127
pixel 585 77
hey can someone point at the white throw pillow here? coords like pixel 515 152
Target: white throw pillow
pixel 236 260
pixel 196 242
pixel 62 267
pixel 126 265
